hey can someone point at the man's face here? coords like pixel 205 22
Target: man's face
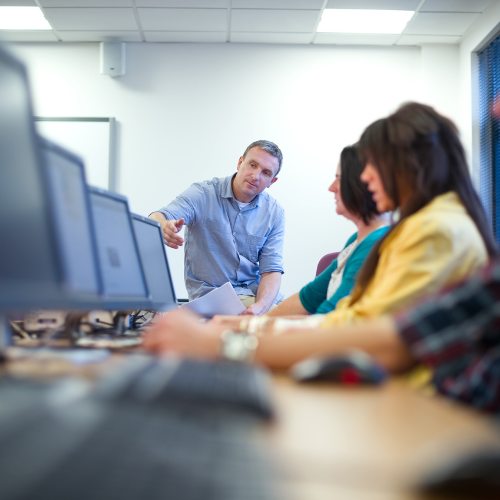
pixel 256 172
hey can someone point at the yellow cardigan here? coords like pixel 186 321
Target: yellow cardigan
pixel 435 247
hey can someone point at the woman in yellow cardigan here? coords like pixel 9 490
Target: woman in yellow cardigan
pixel 414 165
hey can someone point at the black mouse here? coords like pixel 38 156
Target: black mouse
pixel 353 367
pixel 476 476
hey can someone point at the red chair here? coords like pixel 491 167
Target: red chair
pixel 325 261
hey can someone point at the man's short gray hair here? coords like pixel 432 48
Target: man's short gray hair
pixel 268 147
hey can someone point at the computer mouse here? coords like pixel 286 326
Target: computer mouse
pixel 476 476
pixel 350 368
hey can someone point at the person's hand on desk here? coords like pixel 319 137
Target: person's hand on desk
pixel 180 331
pixel 229 322
pixel 254 310
pixel 260 325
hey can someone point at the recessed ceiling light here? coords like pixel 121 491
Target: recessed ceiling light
pixel 364 21
pixel 22 18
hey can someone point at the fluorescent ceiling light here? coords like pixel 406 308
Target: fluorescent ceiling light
pixel 364 21
pixel 22 18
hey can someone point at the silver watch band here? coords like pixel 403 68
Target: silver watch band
pixel 238 346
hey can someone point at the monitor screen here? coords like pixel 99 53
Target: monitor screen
pixel 30 274
pixel 70 204
pixel 154 262
pixel 121 270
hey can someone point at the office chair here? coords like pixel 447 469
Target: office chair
pixel 325 261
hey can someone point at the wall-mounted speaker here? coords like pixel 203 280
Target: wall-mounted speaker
pixel 112 58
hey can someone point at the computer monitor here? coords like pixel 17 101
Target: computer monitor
pixel 69 202
pixel 154 262
pixel 124 284
pixel 30 274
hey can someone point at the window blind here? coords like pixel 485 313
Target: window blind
pixel 489 133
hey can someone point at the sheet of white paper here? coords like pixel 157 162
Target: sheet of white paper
pixel 222 300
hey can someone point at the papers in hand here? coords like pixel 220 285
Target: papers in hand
pixel 222 300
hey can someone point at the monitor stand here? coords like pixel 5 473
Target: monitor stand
pixel 5 335
pixel 72 324
pixel 121 321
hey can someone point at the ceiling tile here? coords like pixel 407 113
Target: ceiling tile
pixel 455 5
pixel 100 36
pixel 18 3
pixel 374 4
pixel 183 19
pixel 85 3
pixel 202 4
pixel 440 24
pixel 423 39
pixel 348 39
pixel 274 21
pixel 302 38
pixel 277 4
pixel 28 36
pixel 186 36
pixel 91 19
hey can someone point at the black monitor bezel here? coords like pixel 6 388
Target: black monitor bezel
pixel 157 305
pixel 30 295
pixel 76 300
pixel 125 302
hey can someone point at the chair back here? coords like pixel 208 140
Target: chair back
pixel 325 261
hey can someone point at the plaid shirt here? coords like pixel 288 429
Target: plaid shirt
pixel 457 335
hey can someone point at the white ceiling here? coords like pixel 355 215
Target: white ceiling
pixel 239 21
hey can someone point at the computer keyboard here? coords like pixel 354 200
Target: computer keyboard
pixel 161 381
pixel 122 449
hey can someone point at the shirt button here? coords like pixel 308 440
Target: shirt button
pixel 234 234
pixel 238 269
pixel 239 213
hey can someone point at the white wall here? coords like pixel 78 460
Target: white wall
pixel 440 69
pixel 186 112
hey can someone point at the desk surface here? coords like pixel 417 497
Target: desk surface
pixel 367 442
pixel 357 443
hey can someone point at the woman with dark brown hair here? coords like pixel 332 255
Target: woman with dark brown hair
pixel 354 202
pixel 414 166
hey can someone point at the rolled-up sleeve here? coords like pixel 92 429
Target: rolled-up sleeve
pixel 271 254
pixel 186 205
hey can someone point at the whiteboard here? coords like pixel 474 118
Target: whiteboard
pixel 93 139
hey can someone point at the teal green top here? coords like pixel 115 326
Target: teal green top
pixel 313 295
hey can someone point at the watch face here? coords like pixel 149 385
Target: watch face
pixel 238 347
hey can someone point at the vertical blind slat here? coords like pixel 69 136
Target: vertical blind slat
pixel 489 133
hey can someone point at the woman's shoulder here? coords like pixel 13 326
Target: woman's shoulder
pixel 372 238
pixel 443 212
pixel 376 235
pixel 444 218
pixel 364 247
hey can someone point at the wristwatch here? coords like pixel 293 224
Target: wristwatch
pixel 238 346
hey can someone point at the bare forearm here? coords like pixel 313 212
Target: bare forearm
pixel 379 338
pixel 269 287
pixel 290 306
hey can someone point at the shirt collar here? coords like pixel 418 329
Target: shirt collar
pixel 227 192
